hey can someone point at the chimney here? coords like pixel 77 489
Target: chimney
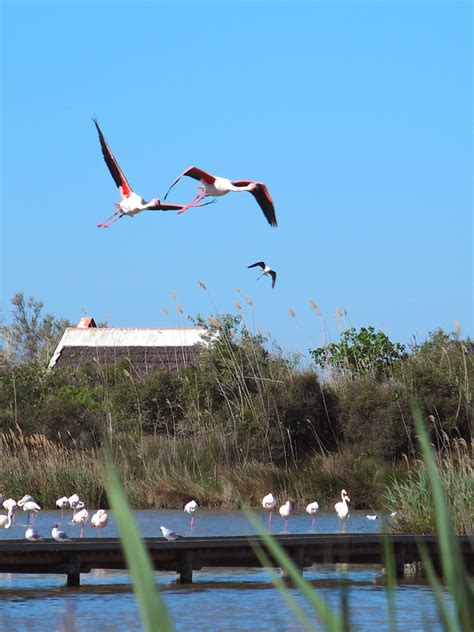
pixel 86 322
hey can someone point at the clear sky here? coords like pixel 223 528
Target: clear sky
pixel 357 116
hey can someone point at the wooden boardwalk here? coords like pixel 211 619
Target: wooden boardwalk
pixel 194 553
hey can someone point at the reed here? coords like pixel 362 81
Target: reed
pixel 411 497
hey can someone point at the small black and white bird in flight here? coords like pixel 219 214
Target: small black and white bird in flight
pixel 168 534
pixel 266 271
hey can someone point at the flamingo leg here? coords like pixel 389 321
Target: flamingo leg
pixel 106 223
pixel 270 520
pixel 194 202
pixel 286 525
pixel 313 521
pixel 62 516
pixel 191 524
pixel 82 531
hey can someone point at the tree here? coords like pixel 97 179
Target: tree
pixel 364 352
pixel 31 336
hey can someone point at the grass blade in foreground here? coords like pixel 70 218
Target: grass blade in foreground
pixel 152 607
pixel 449 623
pixel 391 582
pixel 454 570
pixel 332 621
pixel 294 606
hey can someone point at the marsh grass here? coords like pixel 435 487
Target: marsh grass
pixel 412 497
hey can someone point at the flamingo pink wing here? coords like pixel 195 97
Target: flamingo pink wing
pixel 263 198
pixel 115 171
pixel 193 172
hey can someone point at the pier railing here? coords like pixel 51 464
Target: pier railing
pixel 186 555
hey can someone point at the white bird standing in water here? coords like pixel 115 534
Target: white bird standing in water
pixel 59 535
pixel 190 508
pixel 342 508
pixel 80 517
pixel 63 503
pixel 266 271
pixel 6 521
pixel 268 503
pixel 99 520
pixel 32 535
pixel 32 508
pixel 10 505
pixel 285 511
pixel 168 534
pixel 312 509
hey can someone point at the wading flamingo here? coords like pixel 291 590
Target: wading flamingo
pixel 214 186
pixel 32 508
pixel 6 521
pixel 342 508
pixel 131 203
pixel 268 503
pixel 312 509
pixel 285 511
pixel 99 520
pixel 10 505
pixel 190 508
pixel 266 271
pixel 80 517
pixel 63 503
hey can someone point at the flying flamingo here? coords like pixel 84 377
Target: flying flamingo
pixel 131 203
pixel 285 511
pixel 63 503
pixel 268 503
pixel 99 520
pixel 312 509
pixel 80 517
pixel 215 186
pixel 342 508
pixel 266 270
pixel 190 508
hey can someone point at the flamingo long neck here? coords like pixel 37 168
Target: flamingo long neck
pixel 248 187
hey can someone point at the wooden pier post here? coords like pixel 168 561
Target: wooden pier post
pixel 185 568
pixel 74 572
pixel 400 561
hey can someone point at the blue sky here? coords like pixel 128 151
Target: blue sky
pixel 357 116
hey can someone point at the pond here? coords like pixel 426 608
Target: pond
pixel 218 599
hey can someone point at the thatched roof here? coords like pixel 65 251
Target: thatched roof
pixel 146 349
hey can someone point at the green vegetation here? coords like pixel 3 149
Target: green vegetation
pixel 247 419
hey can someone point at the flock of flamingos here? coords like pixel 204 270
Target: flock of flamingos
pixel 99 520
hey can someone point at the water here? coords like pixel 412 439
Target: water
pixel 218 599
